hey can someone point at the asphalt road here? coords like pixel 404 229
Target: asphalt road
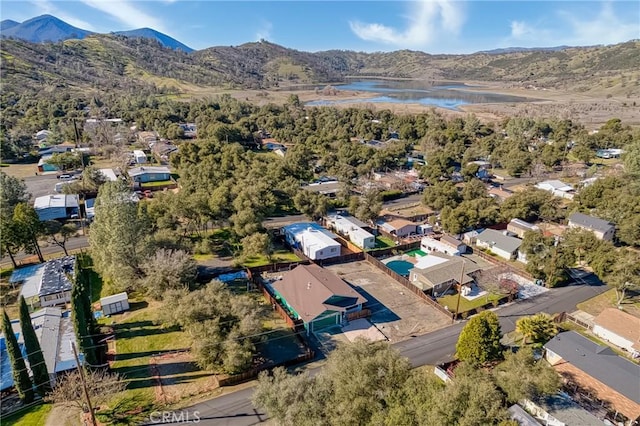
pixel 236 408
pixel 83 241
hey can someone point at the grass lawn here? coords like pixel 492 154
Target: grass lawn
pixel 138 337
pixel 451 300
pixel 158 183
pixel 281 255
pixel 384 242
pixel 596 305
pixel 34 416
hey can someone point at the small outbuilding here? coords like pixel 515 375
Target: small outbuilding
pixel 115 303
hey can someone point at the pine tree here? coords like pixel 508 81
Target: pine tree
pixel 79 315
pixel 34 351
pixel 21 379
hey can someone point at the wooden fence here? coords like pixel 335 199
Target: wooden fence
pixel 250 374
pixel 345 258
pixel 364 313
pixel 393 250
pixel 568 317
pixel 407 284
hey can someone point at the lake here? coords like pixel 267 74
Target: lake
pixel 446 95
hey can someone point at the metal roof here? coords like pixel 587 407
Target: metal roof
pixel 519 223
pixel 497 239
pixel 590 222
pixel 114 298
pixel 56 201
pixel 137 171
pixel 54 277
pixel 599 362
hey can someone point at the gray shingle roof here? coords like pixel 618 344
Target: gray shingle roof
pixel 447 271
pixel 54 278
pixel 590 222
pixel 499 240
pixel 600 362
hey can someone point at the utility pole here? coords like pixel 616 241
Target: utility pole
pixel 84 384
pixel 453 320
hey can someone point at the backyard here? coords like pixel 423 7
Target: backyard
pixel 596 305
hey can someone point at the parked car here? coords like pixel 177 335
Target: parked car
pixel 64 176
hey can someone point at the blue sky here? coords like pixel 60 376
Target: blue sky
pixel 433 26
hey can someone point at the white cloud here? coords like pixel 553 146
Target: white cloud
pixel 429 18
pixel 264 33
pixel 127 13
pixel 47 7
pixel 605 27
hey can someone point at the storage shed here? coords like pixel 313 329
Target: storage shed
pixel 115 303
pixel 139 156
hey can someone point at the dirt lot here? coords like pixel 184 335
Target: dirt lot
pixel 395 311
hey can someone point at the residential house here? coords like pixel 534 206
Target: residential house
pixel 42 135
pixel 328 188
pixel 109 174
pixel 115 303
pixel 46 284
pixel 619 328
pixel 499 193
pixel 59 206
pixel 398 228
pixel 354 229
pixel 313 240
pixel 148 137
pixel 498 243
pixel 149 174
pixel 597 369
pixel 446 244
pixel 519 415
pixel 609 153
pixel 163 149
pixel 519 227
pixel 437 273
pixel 412 212
pixel 560 410
pixel 557 188
pixel 602 229
pixel 317 296
pixel 54 331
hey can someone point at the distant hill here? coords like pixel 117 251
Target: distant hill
pixel 44 28
pixel 117 62
pixel 47 28
pixel 8 23
pixel 523 49
pixel 164 39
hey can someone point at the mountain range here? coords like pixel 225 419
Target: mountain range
pixel 139 59
pixel 47 28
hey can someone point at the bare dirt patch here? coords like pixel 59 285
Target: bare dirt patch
pixel 177 376
pixel 396 312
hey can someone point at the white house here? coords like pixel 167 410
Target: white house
pixel 313 240
pixel 59 206
pixel 139 156
pixel 399 227
pixel 602 229
pixel 115 303
pixel 354 229
pixel 557 188
pixel 498 243
pixel 429 244
pixel 619 328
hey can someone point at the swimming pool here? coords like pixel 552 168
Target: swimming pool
pixel 401 267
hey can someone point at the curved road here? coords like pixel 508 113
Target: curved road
pixel 236 409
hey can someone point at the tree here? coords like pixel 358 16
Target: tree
pixel 81 314
pixel 257 245
pixel 367 206
pixel 631 158
pixel 90 181
pixel 479 341
pixel 521 376
pixel 59 233
pixel 441 195
pixel 168 269
pixel 101 386
pixel 311 204
pixel 355 385
pixel 66 160
pixel 13 191
pixel 625 275
pixel 35 356
pixel 28 228
pixel 582 152
pixel 119 238
pixel 539 328
pixel 21 379
pixel 221 324
pixel 11 240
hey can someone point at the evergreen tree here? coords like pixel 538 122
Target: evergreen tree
pixel 21 379
pixel 479 341
pixel 34 351
pixel 79 315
